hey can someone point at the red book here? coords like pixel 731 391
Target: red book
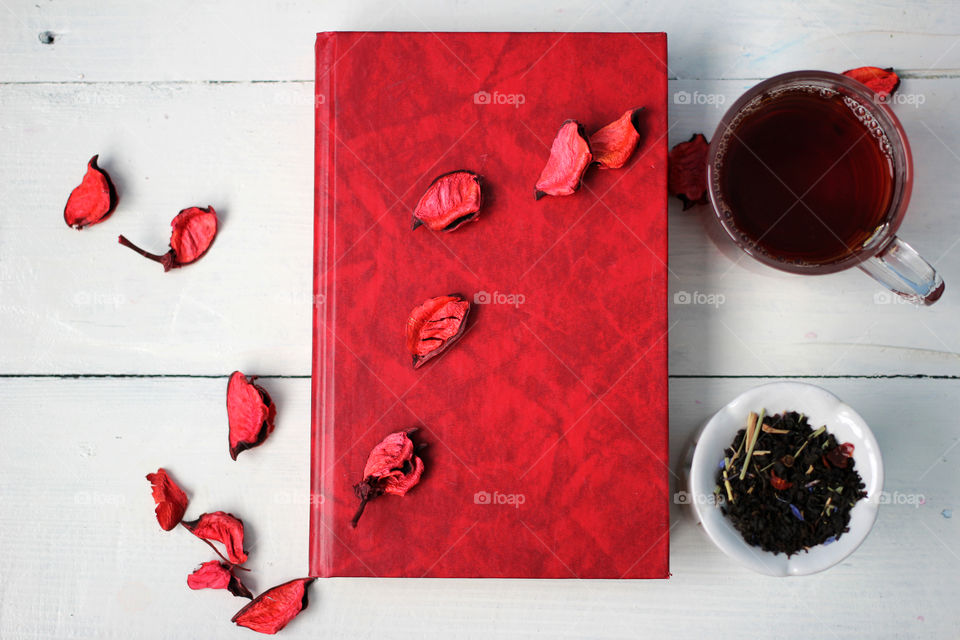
pixel 546 423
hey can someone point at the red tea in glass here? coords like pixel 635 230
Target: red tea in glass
pixel 810 173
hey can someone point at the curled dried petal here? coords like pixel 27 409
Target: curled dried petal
pixel 389 454
pixel 779 483
pixel 435 325
pixel 170 498
pixel 392 468
pixel 452 200
pixel 273 609
pixel 399 483
pixel 217 575
pixel 93 200
pixel 221 527
pixel 687 171
pixel 569 158
pixel 250 413
pixel 883 82
pixel 193 231
pixel 613 145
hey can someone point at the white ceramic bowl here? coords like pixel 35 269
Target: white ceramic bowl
pixel 821 408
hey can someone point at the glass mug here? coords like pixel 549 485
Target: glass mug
pixel 773 198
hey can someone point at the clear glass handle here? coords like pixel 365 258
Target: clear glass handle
pixel 901 269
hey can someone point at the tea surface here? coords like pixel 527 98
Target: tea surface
pixel 804 178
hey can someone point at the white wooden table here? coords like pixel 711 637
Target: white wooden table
pixel 110 368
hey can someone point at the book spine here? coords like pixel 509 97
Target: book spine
pixel 324 306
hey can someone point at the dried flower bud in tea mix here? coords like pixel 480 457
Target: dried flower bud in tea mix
pixel 569 158
pixel 250 413
pixel 392 468
pixel 452 200
pixel 613 145
pixel 687 171
pixel 883 82
pixel 223 528
pixel 93 200
pixel 435 325
pixel 171 500
pixel 193 231
pixel 273 609
pixel 217 575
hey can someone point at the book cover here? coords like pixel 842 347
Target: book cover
pixel 546 424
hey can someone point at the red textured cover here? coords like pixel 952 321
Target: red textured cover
pixel 547 422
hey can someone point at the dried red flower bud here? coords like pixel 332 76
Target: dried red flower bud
pixel 569 158
pixel 250 413
pixel 221 527
pixel 779 483
pixel 840 455
pixel 193 232
pixel 883 82
pixel 687 171
pixel 613 145
pixel 171 500
pixel 217 575
pixel 435 325
pixel 392 468
pixel 273 609
pixel 93 200
pixel 452 200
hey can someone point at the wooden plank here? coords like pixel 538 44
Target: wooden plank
pixel 76 302
pixel 83 556
pixel 181 40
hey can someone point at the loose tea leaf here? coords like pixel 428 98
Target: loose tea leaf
pixel 171 500
pixel 799 499
pixel 193 231
pixel 223 528
pixel 613 145
pixel 217 575
pixel 250 413
pixel 273 609
pixel 883 82
pixel 435 325
pixel 392 468
pixel 452 200
pixel 569 158
pixel 93 200
pixel 687 171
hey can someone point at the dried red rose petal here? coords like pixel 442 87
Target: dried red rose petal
pixel 273 609
pixel 171 500
pixel 779 483
pixel 93 200
pixel 687 171
pixel 392 468
pixel 883 82
pixel 435 325
pixel 223 528
pixel 452 200
pixel 569 157
pixel 250 413
pixel 613 145
pixel 193 232
pixel 217 575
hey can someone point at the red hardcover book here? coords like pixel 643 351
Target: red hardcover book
pixel 546 423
